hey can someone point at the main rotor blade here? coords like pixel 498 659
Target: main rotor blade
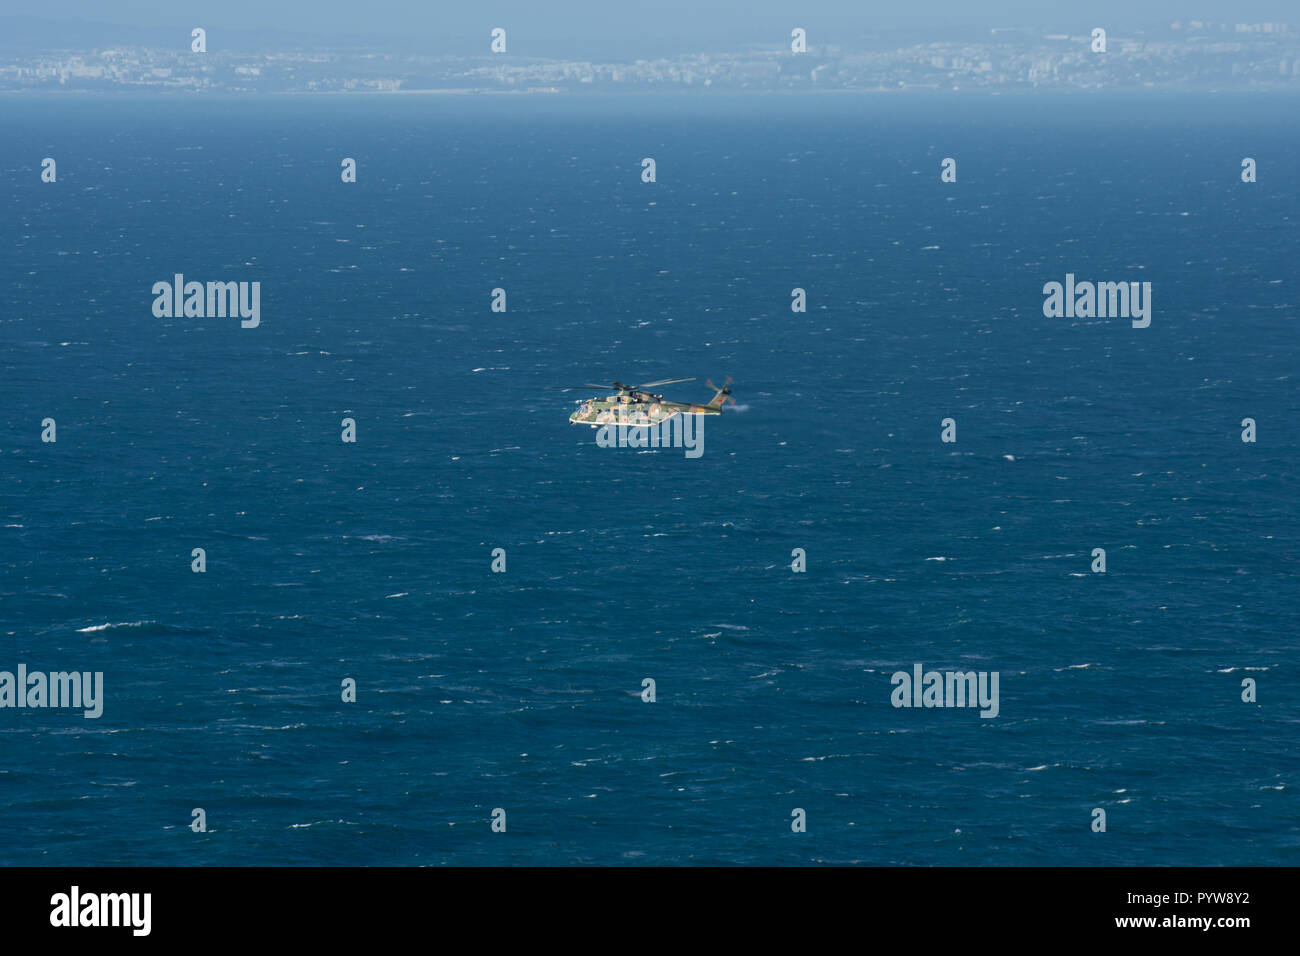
pixel 588 385
pixel 667 381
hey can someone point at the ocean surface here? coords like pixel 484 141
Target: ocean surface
pixel 476 690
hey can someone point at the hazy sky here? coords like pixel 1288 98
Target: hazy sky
pixel 545 28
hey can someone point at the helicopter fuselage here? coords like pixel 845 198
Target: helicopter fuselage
pixel 640 410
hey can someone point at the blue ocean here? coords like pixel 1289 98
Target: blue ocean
pixel 1162 691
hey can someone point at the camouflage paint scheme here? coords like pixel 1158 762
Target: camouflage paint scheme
pixel 637 409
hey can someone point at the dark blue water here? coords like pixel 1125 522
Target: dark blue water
pixel 326 560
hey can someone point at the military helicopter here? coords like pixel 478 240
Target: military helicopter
pixel 635 407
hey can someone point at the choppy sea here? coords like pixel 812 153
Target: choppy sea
pixel 522 691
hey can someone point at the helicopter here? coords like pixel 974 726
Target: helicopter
pixel 634 406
